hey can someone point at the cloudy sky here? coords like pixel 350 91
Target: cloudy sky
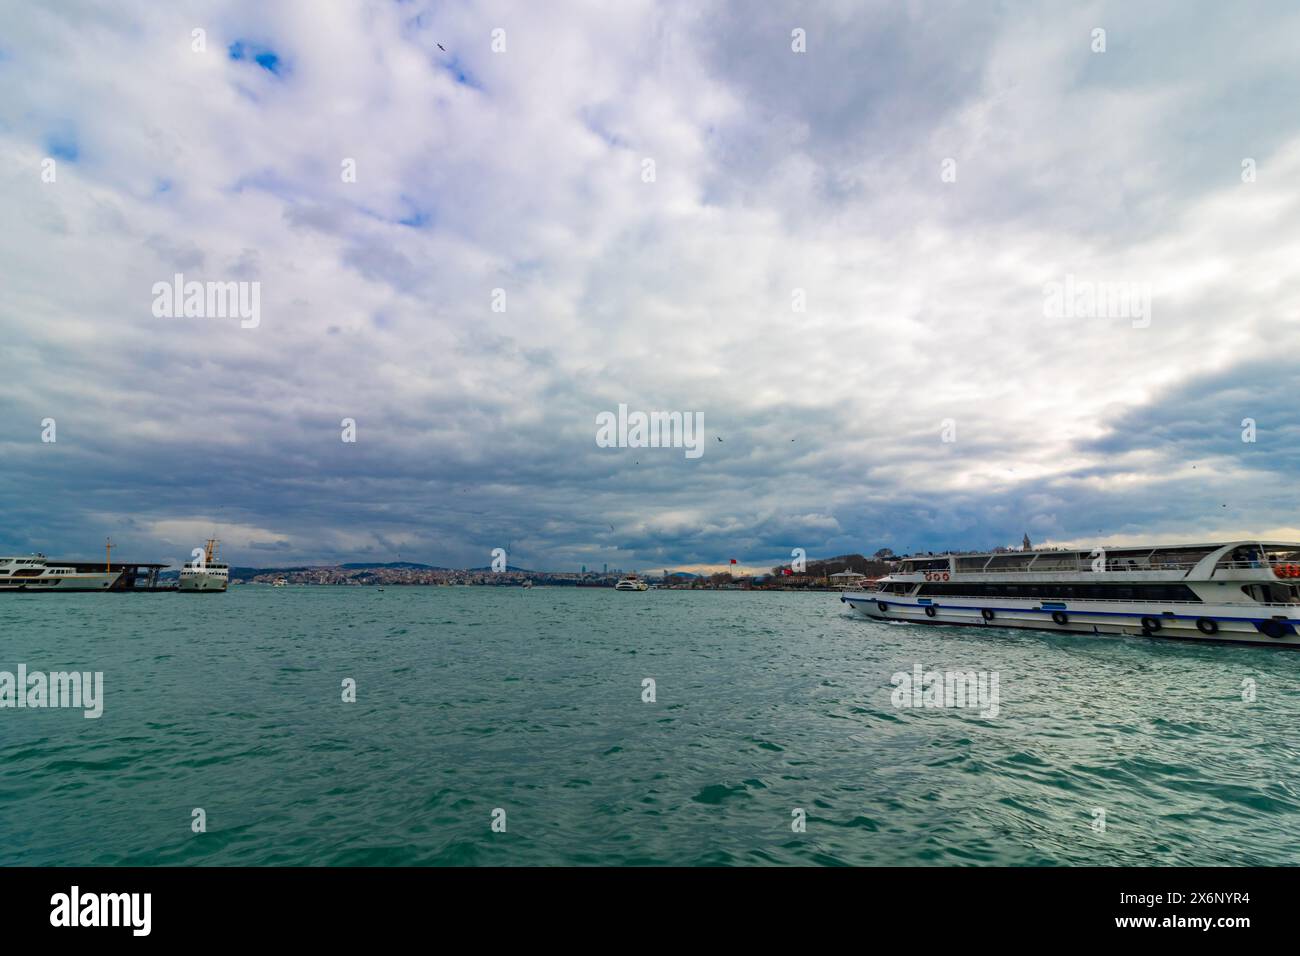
pixel 842 257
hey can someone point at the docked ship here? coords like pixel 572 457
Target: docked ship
pixel 205 575
pixel 1240 591
pixel 631 583
pixel 36 573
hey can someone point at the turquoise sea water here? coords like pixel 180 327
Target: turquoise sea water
pixel 471 699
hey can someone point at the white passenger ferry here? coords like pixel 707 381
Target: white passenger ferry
pixel 205 575
pixel 631 582
pixel 1241 591
pixel 36 573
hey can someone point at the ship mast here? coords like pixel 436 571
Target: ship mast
pixel 108 555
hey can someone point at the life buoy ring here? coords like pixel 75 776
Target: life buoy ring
pixel 986 613
pixel 1150 623
pixel 1060 617
pixel 1207 625
pixel 929 610
pixel 883 607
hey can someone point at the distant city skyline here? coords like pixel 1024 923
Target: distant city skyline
pixel 738 279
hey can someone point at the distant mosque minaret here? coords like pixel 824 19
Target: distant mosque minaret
pixel 1026 545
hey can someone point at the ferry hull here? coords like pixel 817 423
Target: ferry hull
pixel 1208 624
pixel 202 584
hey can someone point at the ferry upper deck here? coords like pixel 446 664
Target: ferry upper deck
pixel 1236 560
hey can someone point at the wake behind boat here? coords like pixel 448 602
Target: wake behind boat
pixel 1241 591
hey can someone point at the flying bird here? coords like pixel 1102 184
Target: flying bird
pixel 719 437
pixel 442 48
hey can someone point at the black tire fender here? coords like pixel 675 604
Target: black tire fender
pixel 1061 618
pixel 929 610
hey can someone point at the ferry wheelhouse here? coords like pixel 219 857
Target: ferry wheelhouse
pixel 1240 591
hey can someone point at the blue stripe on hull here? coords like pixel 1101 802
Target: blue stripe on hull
pixel 1049 610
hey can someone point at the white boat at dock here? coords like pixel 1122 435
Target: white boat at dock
pixel 1239 591
pixel 35 572
pixel 205 574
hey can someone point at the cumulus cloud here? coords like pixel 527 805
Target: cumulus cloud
pixel 518 177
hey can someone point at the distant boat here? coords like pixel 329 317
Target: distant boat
pixel 280 583
pixel 631 583
pixel 528 583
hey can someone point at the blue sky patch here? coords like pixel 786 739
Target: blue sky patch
pixel 63 146
pixel 263 56
pixel 463 77
pixel 417 217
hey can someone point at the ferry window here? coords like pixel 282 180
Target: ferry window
pixel 1009 561
pixel 1065 561
pixel 932 564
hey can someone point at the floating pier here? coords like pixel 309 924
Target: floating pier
pixel 135 576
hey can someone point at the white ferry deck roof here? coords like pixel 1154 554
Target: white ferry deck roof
pixel 1124 549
